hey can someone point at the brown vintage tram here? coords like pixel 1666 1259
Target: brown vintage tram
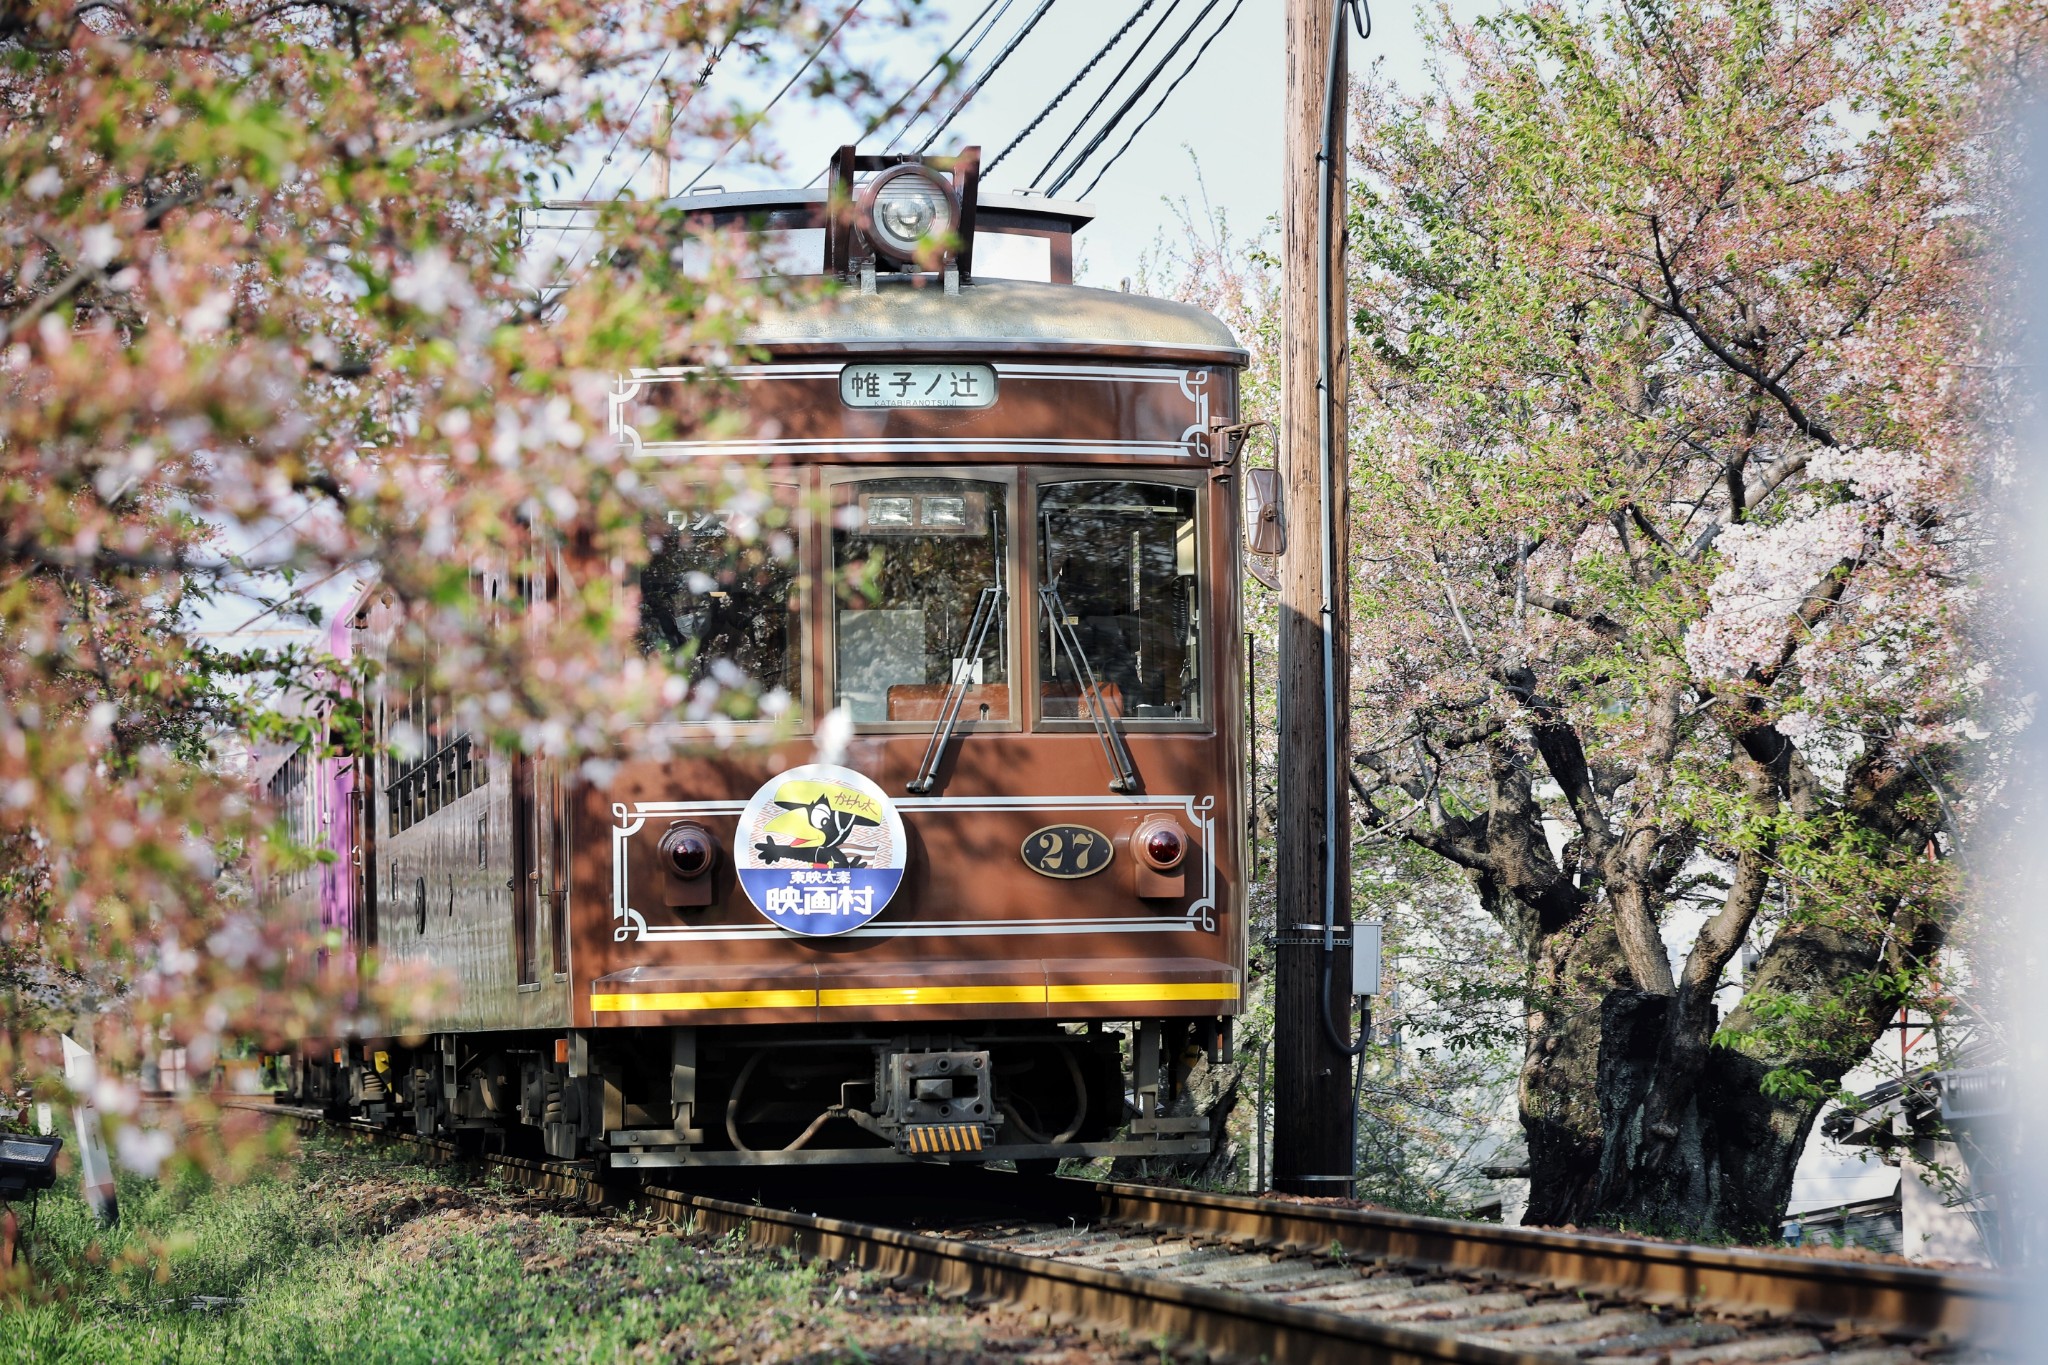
pixel 1004 920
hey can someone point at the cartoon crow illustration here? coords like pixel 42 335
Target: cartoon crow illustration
pixel 816 833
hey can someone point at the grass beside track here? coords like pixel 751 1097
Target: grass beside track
pixel 360 1253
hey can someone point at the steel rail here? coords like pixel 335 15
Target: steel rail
pixel 1233 1324
pixel 1940 1306
pixel 1930 1303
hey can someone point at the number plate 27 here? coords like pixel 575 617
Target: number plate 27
pixel 1067 851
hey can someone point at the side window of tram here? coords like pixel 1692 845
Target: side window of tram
pixel 912 563
pixel 1121 557
pixel 718 599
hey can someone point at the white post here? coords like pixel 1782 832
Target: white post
pixel 95 1172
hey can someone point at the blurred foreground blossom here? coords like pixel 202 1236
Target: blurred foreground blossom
pixel 276 329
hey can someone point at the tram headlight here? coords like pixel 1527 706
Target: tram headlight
pixel 689 850
pixel 904 206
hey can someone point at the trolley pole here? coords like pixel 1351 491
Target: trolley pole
pixel 1312 1142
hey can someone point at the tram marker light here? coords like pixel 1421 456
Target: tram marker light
pixel 689 853
pixel 1162 849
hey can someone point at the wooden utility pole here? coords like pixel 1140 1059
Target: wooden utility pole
pixel 1312 1146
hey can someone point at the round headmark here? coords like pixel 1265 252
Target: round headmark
pixel 820 849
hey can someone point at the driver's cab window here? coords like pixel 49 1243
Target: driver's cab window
pixel 720 601
pixel 920 599
pixel 1118 559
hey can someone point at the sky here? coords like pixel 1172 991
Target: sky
pixel 1216 139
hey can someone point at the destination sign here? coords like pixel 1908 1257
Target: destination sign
pixel 915 385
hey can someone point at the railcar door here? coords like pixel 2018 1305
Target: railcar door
pixel 526 871
pixel 362 846
pixel 554 814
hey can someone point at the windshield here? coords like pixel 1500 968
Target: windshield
pixel 1122 557
pixel 910 559
pixel 718 603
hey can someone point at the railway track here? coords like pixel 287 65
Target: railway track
pixel 1269 1279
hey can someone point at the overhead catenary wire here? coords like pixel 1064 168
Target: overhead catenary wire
pixel 1185 73
pixel 1107 91
pixel 965 58
pixel 1130 102
pixel 776 98
pixel 979 81
pixel 1079 76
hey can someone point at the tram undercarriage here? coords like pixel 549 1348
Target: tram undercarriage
pixel 645 1098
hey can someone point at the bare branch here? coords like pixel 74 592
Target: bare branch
pixel 1598 622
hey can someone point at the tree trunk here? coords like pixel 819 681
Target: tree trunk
pixel 1685 1142
pixel 1718 1164
pixel 1559 1098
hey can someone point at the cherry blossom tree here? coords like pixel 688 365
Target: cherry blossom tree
pixel 1676 389
pixel 274 319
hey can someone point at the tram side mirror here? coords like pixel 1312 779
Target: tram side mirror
pixel 1264 533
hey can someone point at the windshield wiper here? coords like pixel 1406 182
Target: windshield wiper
pixel 986 610
pixel 1125 772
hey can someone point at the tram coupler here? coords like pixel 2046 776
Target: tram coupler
pixel 938 1103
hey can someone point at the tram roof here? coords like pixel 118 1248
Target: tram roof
pixel 990 313
pixel 908 317
pixel 808 205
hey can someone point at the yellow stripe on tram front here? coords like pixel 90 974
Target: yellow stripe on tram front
pixel 1117 991
pixel 703 1000
pixel 1032 994
pixel 1102 992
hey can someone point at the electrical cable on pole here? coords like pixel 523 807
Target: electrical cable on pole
pixel 1327 171
pixel 896 105
pixel 1185 73
pixel 981 80
pixel 787 86
pixel 1074 166
pixel 1107 90
pixel 1079 76
pixel 965 58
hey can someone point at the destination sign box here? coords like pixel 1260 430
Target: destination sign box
pixel 917 385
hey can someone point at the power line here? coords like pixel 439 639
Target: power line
pixel 965 58
pixel 703 75
pixel 1074 166
pixel 1235 7
pixel 896 105
pixel 675 113
pixel 982 79
pixel 1107 90
pixel 612 151
pixel 1054 103
pixel 787 85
